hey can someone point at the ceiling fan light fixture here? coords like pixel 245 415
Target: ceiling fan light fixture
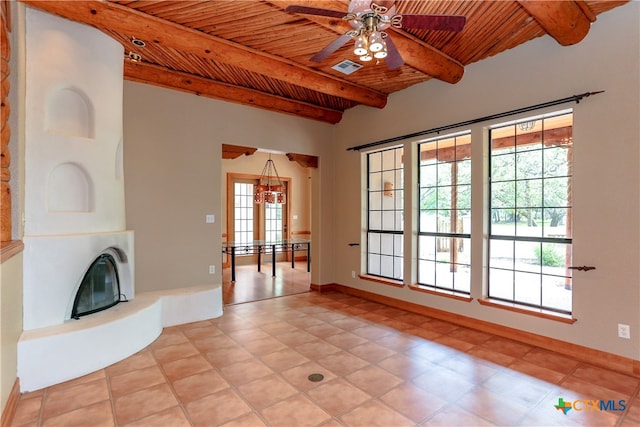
pixel 360 46
pixel 376 44
pixel 381 54
pixel 369 21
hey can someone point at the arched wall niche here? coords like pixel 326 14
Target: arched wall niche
pixel 70 112
pixel 70 189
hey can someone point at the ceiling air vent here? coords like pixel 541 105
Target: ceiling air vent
pixel 347 66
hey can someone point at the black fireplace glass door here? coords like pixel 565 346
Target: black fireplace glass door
pixel 100 288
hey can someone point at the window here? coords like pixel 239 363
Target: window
pixel 444 212
pixel 385 220
pixel 530 226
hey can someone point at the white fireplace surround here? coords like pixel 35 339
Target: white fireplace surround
pixel 60 263
pixel 74 211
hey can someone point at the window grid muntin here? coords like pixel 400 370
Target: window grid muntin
pixel 385 213
pixel 515 237
pixel 452 159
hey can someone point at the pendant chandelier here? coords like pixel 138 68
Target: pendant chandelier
pixel 269 188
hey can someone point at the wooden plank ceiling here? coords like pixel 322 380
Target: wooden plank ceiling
pixel 254 53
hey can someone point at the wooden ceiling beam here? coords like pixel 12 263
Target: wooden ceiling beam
pixel 565 21
pixel 416 54
pixel 102 14
pixel 234 151
pixel 427 59
pixel 303 160
pixel 159 76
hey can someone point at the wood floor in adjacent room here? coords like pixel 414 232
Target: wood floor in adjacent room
pixel 254 285
pixel 381 367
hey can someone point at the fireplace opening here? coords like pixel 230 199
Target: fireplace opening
pixel 100 288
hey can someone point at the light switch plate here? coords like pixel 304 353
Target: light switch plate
pixel 624 331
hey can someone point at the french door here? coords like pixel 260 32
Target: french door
pixel 249 221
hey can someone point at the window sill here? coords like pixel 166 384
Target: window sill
pixel 441 293
pixel 9 249
pixel 382 280
pixel 545 314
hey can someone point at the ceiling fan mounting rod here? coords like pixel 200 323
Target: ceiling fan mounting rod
pixel 370 22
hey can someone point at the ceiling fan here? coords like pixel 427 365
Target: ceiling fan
pixel 369 21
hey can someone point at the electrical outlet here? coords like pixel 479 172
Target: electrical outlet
pixel 212 269
pixel 353 274
pixel 624 331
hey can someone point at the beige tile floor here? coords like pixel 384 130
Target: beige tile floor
pixel 381 367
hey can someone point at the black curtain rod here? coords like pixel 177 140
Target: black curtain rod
pixel 574 98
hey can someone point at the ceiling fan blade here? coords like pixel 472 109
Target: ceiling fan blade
pixel 434 22
pixel 314 11
pixel 331 47
pixel 394 59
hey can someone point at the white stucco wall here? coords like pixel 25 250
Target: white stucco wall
pixel 73 132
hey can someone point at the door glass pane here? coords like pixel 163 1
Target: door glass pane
pixel 273 222
pixel 243 212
